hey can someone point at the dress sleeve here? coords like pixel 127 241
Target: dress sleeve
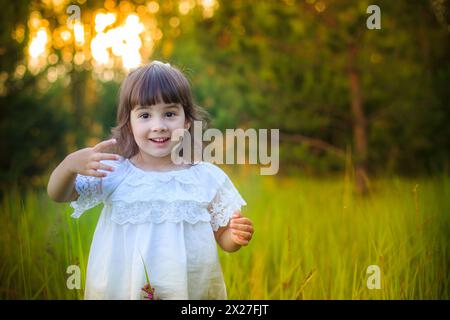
pixel 226 201
pixel 94 190
pixel 90 191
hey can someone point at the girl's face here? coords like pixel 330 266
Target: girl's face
pixel 153 125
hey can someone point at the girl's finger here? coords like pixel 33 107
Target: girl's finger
pixel 243 227
pixel 243 234
pixel 104 144
pixel 241 221
pixel 102 166
pixel 105 156
pixel 93 165
pixel 241 242
pixel 99 166
pixel 94 173
pixel 109 156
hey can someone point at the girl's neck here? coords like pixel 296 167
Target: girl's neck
pixel 146 162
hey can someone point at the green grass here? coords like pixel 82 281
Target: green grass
pixel 314 239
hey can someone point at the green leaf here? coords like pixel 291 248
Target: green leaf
pixel 146 273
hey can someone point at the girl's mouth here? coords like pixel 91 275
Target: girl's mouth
pixel 159 141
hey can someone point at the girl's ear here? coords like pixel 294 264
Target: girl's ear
pixel 187 124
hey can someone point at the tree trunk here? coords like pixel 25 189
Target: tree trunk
pixel 78 84
pixel 359 122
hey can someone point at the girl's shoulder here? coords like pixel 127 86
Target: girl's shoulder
pixel 212 170
pixel 212 174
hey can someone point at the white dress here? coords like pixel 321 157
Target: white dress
pixel 164 218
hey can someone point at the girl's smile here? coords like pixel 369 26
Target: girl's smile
pixel 159 141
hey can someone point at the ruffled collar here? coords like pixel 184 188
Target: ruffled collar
pixel 169 172
pixel 186 175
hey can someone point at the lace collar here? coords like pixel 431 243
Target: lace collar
pixel 155 172
pixel 191 175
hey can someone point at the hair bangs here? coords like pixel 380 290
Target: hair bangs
pixel 154 86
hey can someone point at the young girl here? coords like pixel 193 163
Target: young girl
pixel 156 212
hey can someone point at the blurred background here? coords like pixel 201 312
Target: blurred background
pixel 364 136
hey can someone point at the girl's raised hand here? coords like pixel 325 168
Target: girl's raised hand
pixel 87 161
pixel 241 229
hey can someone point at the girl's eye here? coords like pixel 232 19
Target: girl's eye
pixel 147 115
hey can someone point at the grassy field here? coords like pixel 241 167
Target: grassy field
pixel 314 239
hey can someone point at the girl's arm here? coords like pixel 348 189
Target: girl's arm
pixel 237 233
pixel 61 185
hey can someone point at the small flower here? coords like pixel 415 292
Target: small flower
pixel 148 292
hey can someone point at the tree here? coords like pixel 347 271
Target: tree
pixel 314 70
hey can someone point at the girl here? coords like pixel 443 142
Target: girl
pixel 166 215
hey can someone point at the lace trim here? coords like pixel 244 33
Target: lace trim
pixel 159 211
pixel 137 180
pixel 167 192
pixel 89 190
pixel 226 202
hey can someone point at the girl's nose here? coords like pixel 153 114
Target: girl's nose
pixel 159 125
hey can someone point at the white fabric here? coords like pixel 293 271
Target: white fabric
pixel 165 218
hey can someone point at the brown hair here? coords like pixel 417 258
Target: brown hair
pixel 147 85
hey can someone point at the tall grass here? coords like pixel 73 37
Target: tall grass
pixel 314 239
pixel 38 242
